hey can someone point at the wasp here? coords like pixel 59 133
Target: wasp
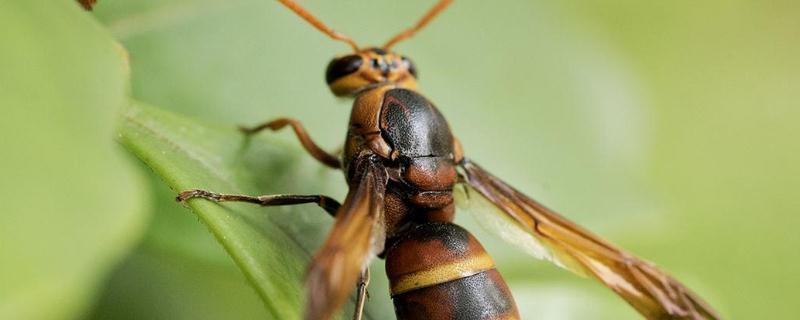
pixel 402 165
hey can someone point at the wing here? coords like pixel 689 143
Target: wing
pixel 357 236
pixel 550 236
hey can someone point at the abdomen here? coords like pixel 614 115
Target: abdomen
pixel 439 271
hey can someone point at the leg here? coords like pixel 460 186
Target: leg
pixel 326 203
pixel 312 148
pixel 362 295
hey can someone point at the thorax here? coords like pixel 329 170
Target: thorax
pixel 415 141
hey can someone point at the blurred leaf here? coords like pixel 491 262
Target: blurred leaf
pixel 271 246
pixel 179 271
pixel 71 204
pixel 177 287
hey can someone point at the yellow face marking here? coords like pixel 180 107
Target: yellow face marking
pixel 368 76
pixel 444 273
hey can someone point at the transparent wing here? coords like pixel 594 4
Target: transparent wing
pixel 357 236
pixel 497 222
pixel 547 235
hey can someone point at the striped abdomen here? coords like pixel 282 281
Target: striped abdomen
pixel 440 271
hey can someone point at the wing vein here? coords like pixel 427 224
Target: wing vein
pixel 650 291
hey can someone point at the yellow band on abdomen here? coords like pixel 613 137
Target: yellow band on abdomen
pixel 443 273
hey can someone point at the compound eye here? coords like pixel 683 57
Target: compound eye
pixel 411 67
pixel 342 67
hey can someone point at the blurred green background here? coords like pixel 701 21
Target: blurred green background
pixel 669 128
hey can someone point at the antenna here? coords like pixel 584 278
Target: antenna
pixel 300 11
pixel 408 33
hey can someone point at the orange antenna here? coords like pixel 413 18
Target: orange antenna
pixel 420 24
pixel 300 11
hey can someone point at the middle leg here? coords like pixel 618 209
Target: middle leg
pixel 312 148
pixel 361 295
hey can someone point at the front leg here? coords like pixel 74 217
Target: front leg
pixel 326 203
pixel 312 148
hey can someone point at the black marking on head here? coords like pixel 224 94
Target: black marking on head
pixel 343 66
pixel 380 65
pixel 378 51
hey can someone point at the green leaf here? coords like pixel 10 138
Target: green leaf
pixel 272 246
pixel 70 203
